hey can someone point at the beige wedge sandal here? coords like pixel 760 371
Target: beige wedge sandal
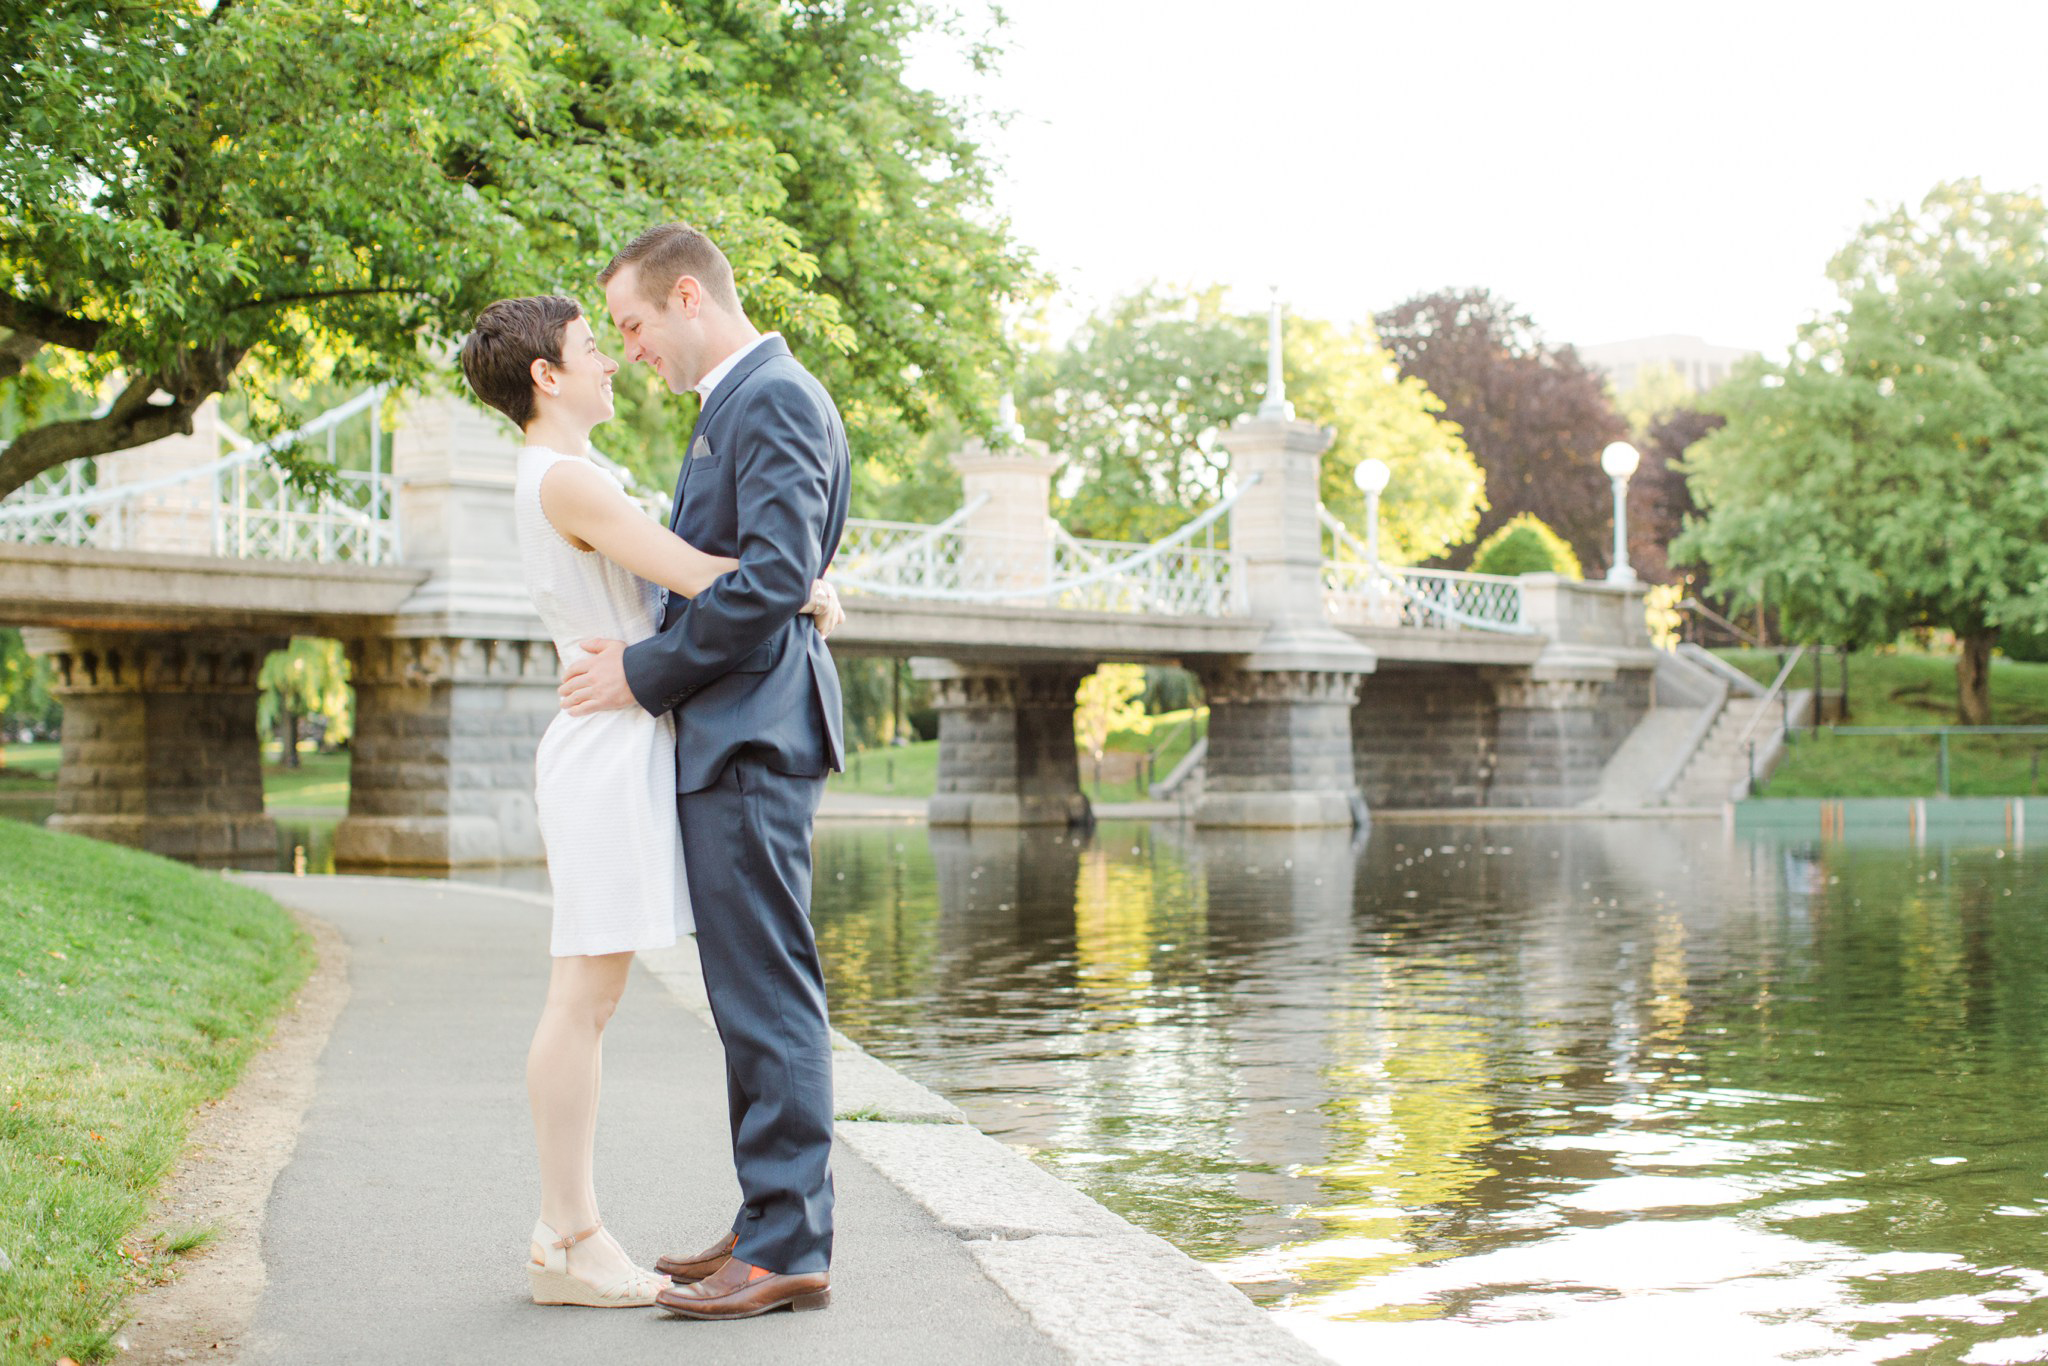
pixel 554 1283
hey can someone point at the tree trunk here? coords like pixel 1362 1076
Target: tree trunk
pixel 288 735
pixel 1973 679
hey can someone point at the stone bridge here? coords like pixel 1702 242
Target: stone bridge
pixel 158 579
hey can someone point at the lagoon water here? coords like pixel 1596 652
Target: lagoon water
pixel 1596 1091
pixel 1590 1091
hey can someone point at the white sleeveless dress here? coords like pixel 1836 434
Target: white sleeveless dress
pixel 605 783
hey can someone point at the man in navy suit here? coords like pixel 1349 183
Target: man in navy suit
pixel 756 702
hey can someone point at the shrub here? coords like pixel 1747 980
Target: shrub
pixel 1526 546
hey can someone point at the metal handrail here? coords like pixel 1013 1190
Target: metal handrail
pixel 1695 605
pixel 1933 730
pixel 246 455
pixel 1713 663
pixel 1777 690
pixel 1401 580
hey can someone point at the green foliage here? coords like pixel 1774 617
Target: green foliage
pixel 1659 499
pixel 2028 644
pixel 1110 699
pixel 1893 472
pixel 308 678
pixel 1135 400
pixel 1535 417
pixel 912 770
pixel 259 190
pixel 25 697
pixel 132 990
pixel 1526 546
pixel 317 780
pixel 872 689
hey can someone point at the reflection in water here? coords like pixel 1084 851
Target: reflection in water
pixel 1590 1090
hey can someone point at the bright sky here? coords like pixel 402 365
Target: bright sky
pixel 1618 170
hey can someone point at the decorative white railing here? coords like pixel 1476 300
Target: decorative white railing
pixel 49 508
pixel 238 505
pixel 1185 581
pixel 1173 576
pixel 1361 593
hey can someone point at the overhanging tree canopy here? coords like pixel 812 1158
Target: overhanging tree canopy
pixel 193 194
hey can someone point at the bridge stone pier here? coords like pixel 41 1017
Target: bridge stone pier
pixel 1487 732
pixel 159 741
pixel 1006 744
pixel 159 591
pixel 1280 717
pixel 454 691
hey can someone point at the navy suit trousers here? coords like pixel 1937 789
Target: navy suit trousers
pixel 747 850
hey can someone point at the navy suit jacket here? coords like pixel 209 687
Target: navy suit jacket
pixel 765 480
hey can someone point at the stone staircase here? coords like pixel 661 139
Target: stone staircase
pixel 1630 779
pixel 1721 763
pixel 1692 750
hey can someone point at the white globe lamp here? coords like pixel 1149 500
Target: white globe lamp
pixel 1620 460
pixel 1372 476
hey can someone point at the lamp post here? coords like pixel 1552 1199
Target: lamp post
pixel 1620 460
pixel 1275 405
pixel 1372 476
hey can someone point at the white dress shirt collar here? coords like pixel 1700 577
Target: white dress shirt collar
pixel 724 367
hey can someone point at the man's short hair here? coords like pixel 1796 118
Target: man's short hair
pixel 498 354
pixel 665 254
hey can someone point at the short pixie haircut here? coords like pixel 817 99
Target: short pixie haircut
pixel 498 354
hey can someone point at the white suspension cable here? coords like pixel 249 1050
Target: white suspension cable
pixel 1343 533
pixel 930 536
pixel 1057 586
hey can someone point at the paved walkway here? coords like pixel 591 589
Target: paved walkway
pixel 397 1232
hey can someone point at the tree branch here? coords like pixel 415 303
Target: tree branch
pixel 132 420
pixel 16 352
pixel 79 334
pixel 314 296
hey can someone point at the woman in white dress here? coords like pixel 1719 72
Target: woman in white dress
pixel 604 783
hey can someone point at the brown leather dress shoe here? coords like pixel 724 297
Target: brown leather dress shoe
pixel 739 1291
pixel 688 1270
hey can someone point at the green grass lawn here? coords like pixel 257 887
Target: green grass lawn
pixel 319 780
pixel 1904 689
pixel 132 989
pixel 28 768
pixel 891 771
pixel 913 770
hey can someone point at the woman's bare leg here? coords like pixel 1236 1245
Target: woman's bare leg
pixel 563 1075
